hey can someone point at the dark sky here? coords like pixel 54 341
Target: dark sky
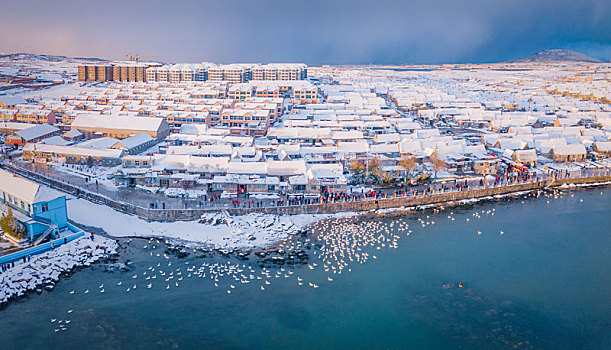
pixel 312 31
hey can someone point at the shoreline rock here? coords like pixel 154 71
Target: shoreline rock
pixel 43 270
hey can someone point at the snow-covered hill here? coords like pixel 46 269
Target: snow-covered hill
pixel 556 55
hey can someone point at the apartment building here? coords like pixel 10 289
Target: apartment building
pixel 36 115
pixel 240 91
pixel 177 73
pixel 232 73
pixel 237 117
pixel 280 71
pixel 305 93
pixel 115 71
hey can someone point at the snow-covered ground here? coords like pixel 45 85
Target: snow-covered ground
pixel 216 230
pixel 45 268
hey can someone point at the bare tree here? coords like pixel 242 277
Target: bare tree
pixel 438 164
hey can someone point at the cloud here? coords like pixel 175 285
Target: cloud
pixel 315 32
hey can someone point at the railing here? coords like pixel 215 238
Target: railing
pixel 422 195
pixel 44 235
pixel 41 248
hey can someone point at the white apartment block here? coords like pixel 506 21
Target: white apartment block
pixel 177 73
pixel 280 71
pixel 231 73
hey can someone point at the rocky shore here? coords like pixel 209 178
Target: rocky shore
pixel 43 270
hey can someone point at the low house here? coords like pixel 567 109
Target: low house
pixel 326 177
pixel 526 156
pixel 135 144
pixel 73 135
pixel 41 210
pixel 38 133
pixel 237 183
pixel 568 153
pixel 11 128
pixel 603 148
pixel 11 101
pixel 94 125
pixel 39 152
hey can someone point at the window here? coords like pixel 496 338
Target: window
pixel 45 207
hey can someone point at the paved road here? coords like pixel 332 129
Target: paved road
pixel 144 199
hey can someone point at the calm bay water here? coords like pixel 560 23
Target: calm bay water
pixel 544 283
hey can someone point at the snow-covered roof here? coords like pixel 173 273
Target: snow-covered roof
pixel 603 146
pixel 74 150
pixel 12 100
pixel 247 168
pixel 37 131
pixel 385 148
pixel 526 155
pixel 102 142
pixel 567 150
pixel 73 133
pixel 25 190
pixel 352 147
pixel 15 125
pixel 135 140
pixel 55 140
pixel 286 167
pixel 89 120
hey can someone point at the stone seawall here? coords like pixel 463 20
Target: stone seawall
pixel 322 208
pixel 366 205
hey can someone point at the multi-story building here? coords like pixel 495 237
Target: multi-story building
pixel 240 91
pixel 232 73
pixel 116 71
pixel 305 93
pixel 82 73
pixel 177 73
pixel 280 71
pixel 35 115
pixel 236 117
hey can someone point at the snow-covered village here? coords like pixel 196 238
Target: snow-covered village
pixel 308 204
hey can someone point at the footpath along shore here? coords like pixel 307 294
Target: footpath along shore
pixel 395 200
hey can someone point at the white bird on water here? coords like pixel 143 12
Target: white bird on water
pixel 479 232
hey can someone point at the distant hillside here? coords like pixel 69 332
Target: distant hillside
pixel 556 55
pixel 49 58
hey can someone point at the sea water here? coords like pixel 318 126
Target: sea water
pixel 544 283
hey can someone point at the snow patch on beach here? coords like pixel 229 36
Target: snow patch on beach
pixel 216 229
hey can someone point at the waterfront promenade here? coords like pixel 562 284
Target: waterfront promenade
pixel 387 198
